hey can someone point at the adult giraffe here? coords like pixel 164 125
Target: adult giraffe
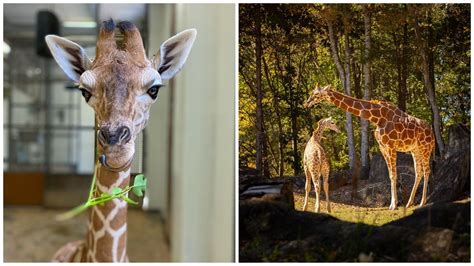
pixel 120 85
pixel 396 131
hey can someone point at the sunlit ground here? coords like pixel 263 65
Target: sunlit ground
pixel 351 213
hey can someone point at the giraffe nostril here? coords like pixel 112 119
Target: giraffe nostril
pixel 103 136
pixel 125 134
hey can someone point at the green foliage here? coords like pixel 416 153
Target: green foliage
pixel 116 191
pixel 297 55
pixel 139 186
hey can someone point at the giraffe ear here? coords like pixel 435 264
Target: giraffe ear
pixel 174 52
pixel 70 56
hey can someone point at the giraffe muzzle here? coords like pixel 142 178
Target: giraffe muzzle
pixel 103 161
pixel 308 104
pixel 116 148
pixel 106 137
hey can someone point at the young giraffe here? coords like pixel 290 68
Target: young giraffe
pixel 120 85
pixel 396 131
pixel 316 163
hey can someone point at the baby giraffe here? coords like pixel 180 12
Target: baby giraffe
pixel 120 85
pixel 316 163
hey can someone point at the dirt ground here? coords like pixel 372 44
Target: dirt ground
pixel 32 235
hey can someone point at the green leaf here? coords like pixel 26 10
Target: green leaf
pixel 139 185
pixel 115 191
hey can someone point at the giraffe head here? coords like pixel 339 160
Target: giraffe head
pixel 121 83
pixel 317 95
pixel 328 123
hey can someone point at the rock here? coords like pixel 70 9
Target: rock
pixel 298 183
pixel 451 178
pixel 366 258
pixel 379 194
pixel 272 231
pixel 380 182
pixel 454 216
pixel 375 195
pixel 432 244
pixel 379 171
pixel 339 179
pixel 247 176
pixel 458 139
pixel 270 190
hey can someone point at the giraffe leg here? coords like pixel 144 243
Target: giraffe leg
pixel 418 174
pixel 426 177
pixel 307 188
pixel 391 160
pixel 326 190
pixel 317 188
pixel 71 252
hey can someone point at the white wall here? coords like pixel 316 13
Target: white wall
pixel 202 208
pixel 157 160
pixel 203 162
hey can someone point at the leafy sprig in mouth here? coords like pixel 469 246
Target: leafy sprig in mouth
pixel 138 187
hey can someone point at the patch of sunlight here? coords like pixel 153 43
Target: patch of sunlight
pixel 356 214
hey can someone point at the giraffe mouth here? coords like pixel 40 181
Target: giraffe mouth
pixel 103 161
pixel 308 104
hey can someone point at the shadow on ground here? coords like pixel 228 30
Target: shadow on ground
pixel 273 231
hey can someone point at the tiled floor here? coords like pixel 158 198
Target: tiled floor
pixel 32 235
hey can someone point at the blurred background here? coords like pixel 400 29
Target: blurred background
pixel 186 151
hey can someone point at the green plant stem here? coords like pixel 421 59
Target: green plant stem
pixel 96 201
pixel 72 213
pixel 91 201
pixel 94 177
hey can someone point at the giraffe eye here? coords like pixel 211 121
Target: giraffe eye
pixel 86 94
pixel 153 91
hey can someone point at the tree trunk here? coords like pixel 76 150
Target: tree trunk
pixel 293 119
pixel 402 68
pixel 276 106
pixel 335 52
pixel 364 124
pixel 344 75
pixel 357 77
pixel 294 136
pixel 258 86
pixel 430 86
pixel 349 129
pixel 402 86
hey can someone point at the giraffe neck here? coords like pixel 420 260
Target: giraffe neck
pixel 361 108
pixel 107 230
pixel 318 133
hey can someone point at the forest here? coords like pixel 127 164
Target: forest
pixel 415 56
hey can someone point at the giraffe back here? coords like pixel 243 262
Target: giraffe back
pixel 315 159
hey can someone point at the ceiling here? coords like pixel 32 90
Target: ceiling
pixel 25 14
pixel 20 19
